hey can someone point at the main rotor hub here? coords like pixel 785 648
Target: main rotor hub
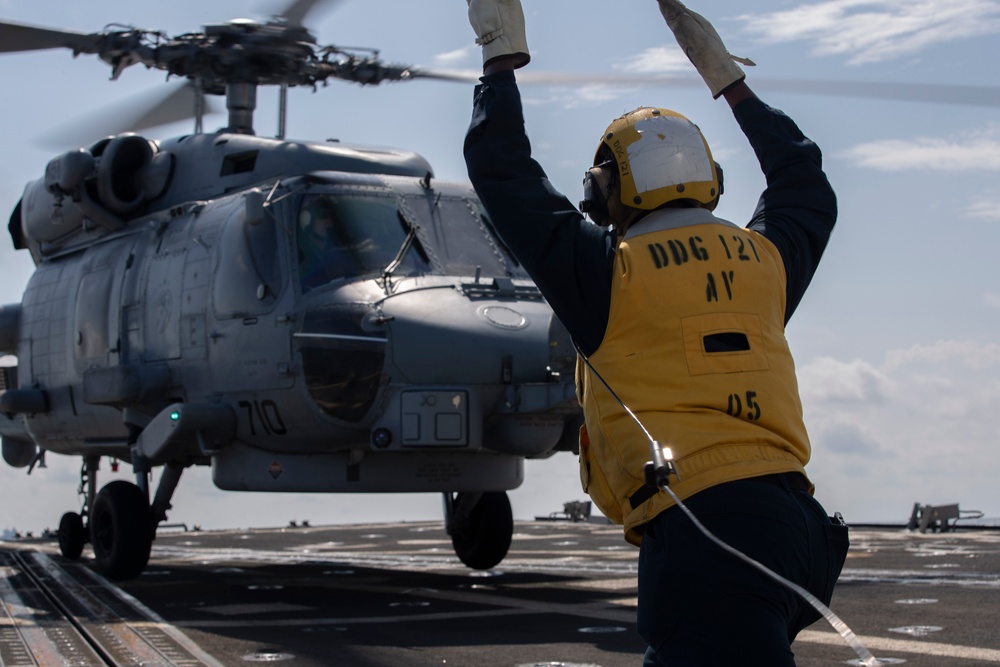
pixel 232 58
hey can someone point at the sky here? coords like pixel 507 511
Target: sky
pixel 896 342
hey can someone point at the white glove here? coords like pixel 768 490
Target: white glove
pixel 703 46
pixel 499 26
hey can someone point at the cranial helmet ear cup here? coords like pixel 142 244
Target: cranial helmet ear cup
pixel 595 200
pixel 718 173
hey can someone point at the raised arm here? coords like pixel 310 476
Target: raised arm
pixel 568 258
pixel 798 208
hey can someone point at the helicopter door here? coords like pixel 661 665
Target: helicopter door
pixel 97 316
pixel 93 330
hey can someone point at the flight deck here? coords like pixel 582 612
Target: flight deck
pixel 396 594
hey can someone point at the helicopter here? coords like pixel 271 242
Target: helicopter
pixel 298 316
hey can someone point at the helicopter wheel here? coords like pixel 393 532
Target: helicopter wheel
pixel 120 531
pixel 484 542
pixel 72 535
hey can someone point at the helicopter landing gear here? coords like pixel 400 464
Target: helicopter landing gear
pixel 72 535
pixel 120 530
pixel 119 521
pixel 169 478
pixel 72 526
pixel 481 526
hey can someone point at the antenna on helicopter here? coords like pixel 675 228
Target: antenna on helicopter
pixel 199 105
pixel 282 110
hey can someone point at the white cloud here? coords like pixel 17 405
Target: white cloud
pixel 970 354
pixel 656 60
pixel 921 426
pixel 853 439
pixel 979 150
pixel 875 30
pixel 596 94
pixel 987 209
pixel 458 56
pixel 827 379
pixel 580 96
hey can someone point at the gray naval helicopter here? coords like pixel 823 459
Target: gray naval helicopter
pixel 301 317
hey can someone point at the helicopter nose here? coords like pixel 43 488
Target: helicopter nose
pixel 458 339
pixel 478 367
pixel 469 339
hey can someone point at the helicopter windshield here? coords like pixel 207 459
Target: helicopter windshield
pixel 349 235
pixel 461 236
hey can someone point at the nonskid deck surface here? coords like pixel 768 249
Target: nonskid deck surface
pixel 395 594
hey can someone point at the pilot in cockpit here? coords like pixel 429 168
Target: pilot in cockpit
pixel 322 254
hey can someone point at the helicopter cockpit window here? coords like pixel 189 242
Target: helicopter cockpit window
pixel 462 237
pixel 347 235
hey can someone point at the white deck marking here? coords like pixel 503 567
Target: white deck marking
pixel 885 644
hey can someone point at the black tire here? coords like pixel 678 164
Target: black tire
pixel 120 531
pixel 72 536
pixel 484 543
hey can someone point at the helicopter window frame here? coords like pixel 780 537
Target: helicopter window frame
pixel 239 163
pixel 487 222
pixel 456 242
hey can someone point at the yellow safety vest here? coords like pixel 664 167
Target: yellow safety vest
pixel 695 347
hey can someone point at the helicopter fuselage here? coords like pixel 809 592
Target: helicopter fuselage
pixel 174 318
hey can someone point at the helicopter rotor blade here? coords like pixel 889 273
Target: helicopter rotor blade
pixel 985 96
pixel 962 95
pixel 175 106
pixel 142 112
pixel 981 96
pixel 15 37
pixel 295 13
pixel 459 76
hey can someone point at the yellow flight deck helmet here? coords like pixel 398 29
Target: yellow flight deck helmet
pixel 661 157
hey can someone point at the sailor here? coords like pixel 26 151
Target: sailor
pixel 682 315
